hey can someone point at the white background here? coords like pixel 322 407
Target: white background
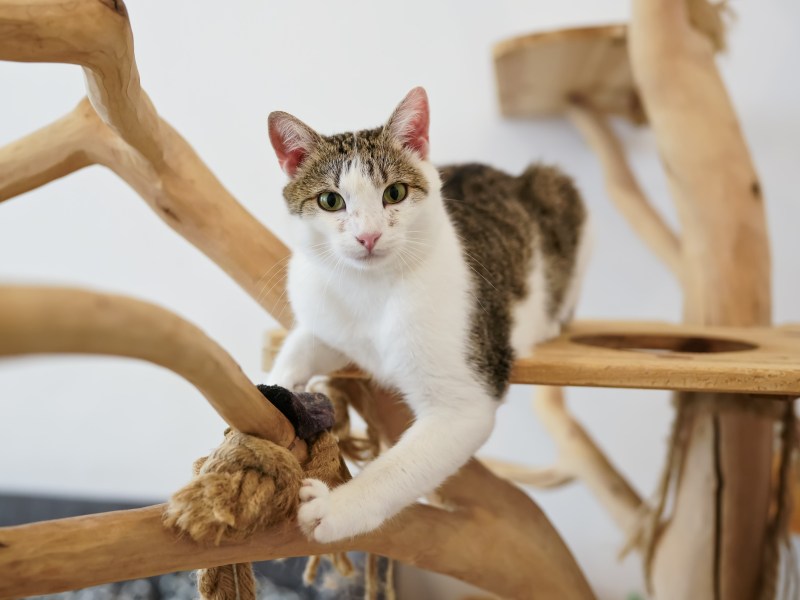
pixel 120 429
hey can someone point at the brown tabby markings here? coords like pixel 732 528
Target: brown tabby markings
pixel 380 158
pixel 498 217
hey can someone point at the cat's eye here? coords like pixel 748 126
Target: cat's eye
pixel 330 201
pixel 395 193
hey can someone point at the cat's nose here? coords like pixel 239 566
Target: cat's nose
pixel 368 240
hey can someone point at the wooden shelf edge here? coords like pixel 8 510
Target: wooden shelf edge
pixel 770 366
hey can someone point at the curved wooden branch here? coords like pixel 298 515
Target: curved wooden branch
pixel 580 457
pixel 33 559
pixel 715 539
pixel 124 133
pixel 518 521
pixel 539 477
pixel 55 320
pixel 708 168
pixel 51 152
pixel 96 35
pixel 622 186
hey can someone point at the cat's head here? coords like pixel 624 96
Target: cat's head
pixel 366 199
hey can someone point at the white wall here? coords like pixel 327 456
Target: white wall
pixel 116 428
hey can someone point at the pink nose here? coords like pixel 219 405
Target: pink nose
pixel 368 240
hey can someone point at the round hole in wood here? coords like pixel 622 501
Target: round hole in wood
pixel 664 344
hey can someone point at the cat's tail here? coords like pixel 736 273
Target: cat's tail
pixel 564 226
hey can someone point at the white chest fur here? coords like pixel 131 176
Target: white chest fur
pixel 395 323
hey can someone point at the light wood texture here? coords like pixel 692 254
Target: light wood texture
pixel 383 411
pixel 450 540
pixel 622 186
pixel 579 459
pixel 57 555
pixel 38 320
pixel 122 131
pixel 579 456
pixel 653 356
pixel 726 282
pixel 538 74
pixel 542 478
pixel 117 126
pixel 715 540
pixel 54 151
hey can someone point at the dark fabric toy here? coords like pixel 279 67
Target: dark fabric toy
pixel 310 413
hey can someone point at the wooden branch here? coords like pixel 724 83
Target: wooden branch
pixel 539 477
pixel 96 35
pixel 520 523
pixel 45 557
pixel 57 555
pixel 622 186
pixel 619 354
pixel 708 167
pixel 56 320
pixel 49 153
pixel 125 134
pixel 580 457
pixel 715 540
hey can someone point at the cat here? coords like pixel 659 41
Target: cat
pixel 429 280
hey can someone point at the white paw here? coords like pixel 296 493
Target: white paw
pixel 315 502
pixel 326 516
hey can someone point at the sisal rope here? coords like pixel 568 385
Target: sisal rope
pixel 248 484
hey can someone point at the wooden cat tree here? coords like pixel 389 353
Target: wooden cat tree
pixel 736 376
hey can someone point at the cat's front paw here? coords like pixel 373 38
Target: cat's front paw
pixel 315 501
pixel 326 516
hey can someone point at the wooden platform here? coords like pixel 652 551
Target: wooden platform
pixel 538 73
pixel 654 356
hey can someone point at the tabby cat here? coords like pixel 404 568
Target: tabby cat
pixel 430 280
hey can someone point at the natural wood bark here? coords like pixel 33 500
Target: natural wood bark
pixel 715 540
pixel 579 459
pixel 57 555
pixel 95 34
pixel 579 456
pixel 622 186
pixel 529 558
pixel 36 320
pixel 119 128
pixel 49 153
pixel 74 552
pixel 542 478
pixel 124 133
pixel 476 490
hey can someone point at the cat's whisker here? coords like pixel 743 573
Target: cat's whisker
pixel 277 271
pixel 271 269
pixel 278 281
pixel 283 308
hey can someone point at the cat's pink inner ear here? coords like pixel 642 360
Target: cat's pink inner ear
pixel 411 120
pixel 291 139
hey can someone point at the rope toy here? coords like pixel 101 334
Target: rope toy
pixel 248 484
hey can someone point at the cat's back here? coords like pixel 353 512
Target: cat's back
pixel 503 219
pixel 522 236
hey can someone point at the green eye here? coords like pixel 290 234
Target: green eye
pixel 395 193
pixel 330 201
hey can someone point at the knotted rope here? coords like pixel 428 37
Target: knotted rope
pixel 248 484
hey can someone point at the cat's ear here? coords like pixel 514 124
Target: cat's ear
pixel 292 140
pixel 410 120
